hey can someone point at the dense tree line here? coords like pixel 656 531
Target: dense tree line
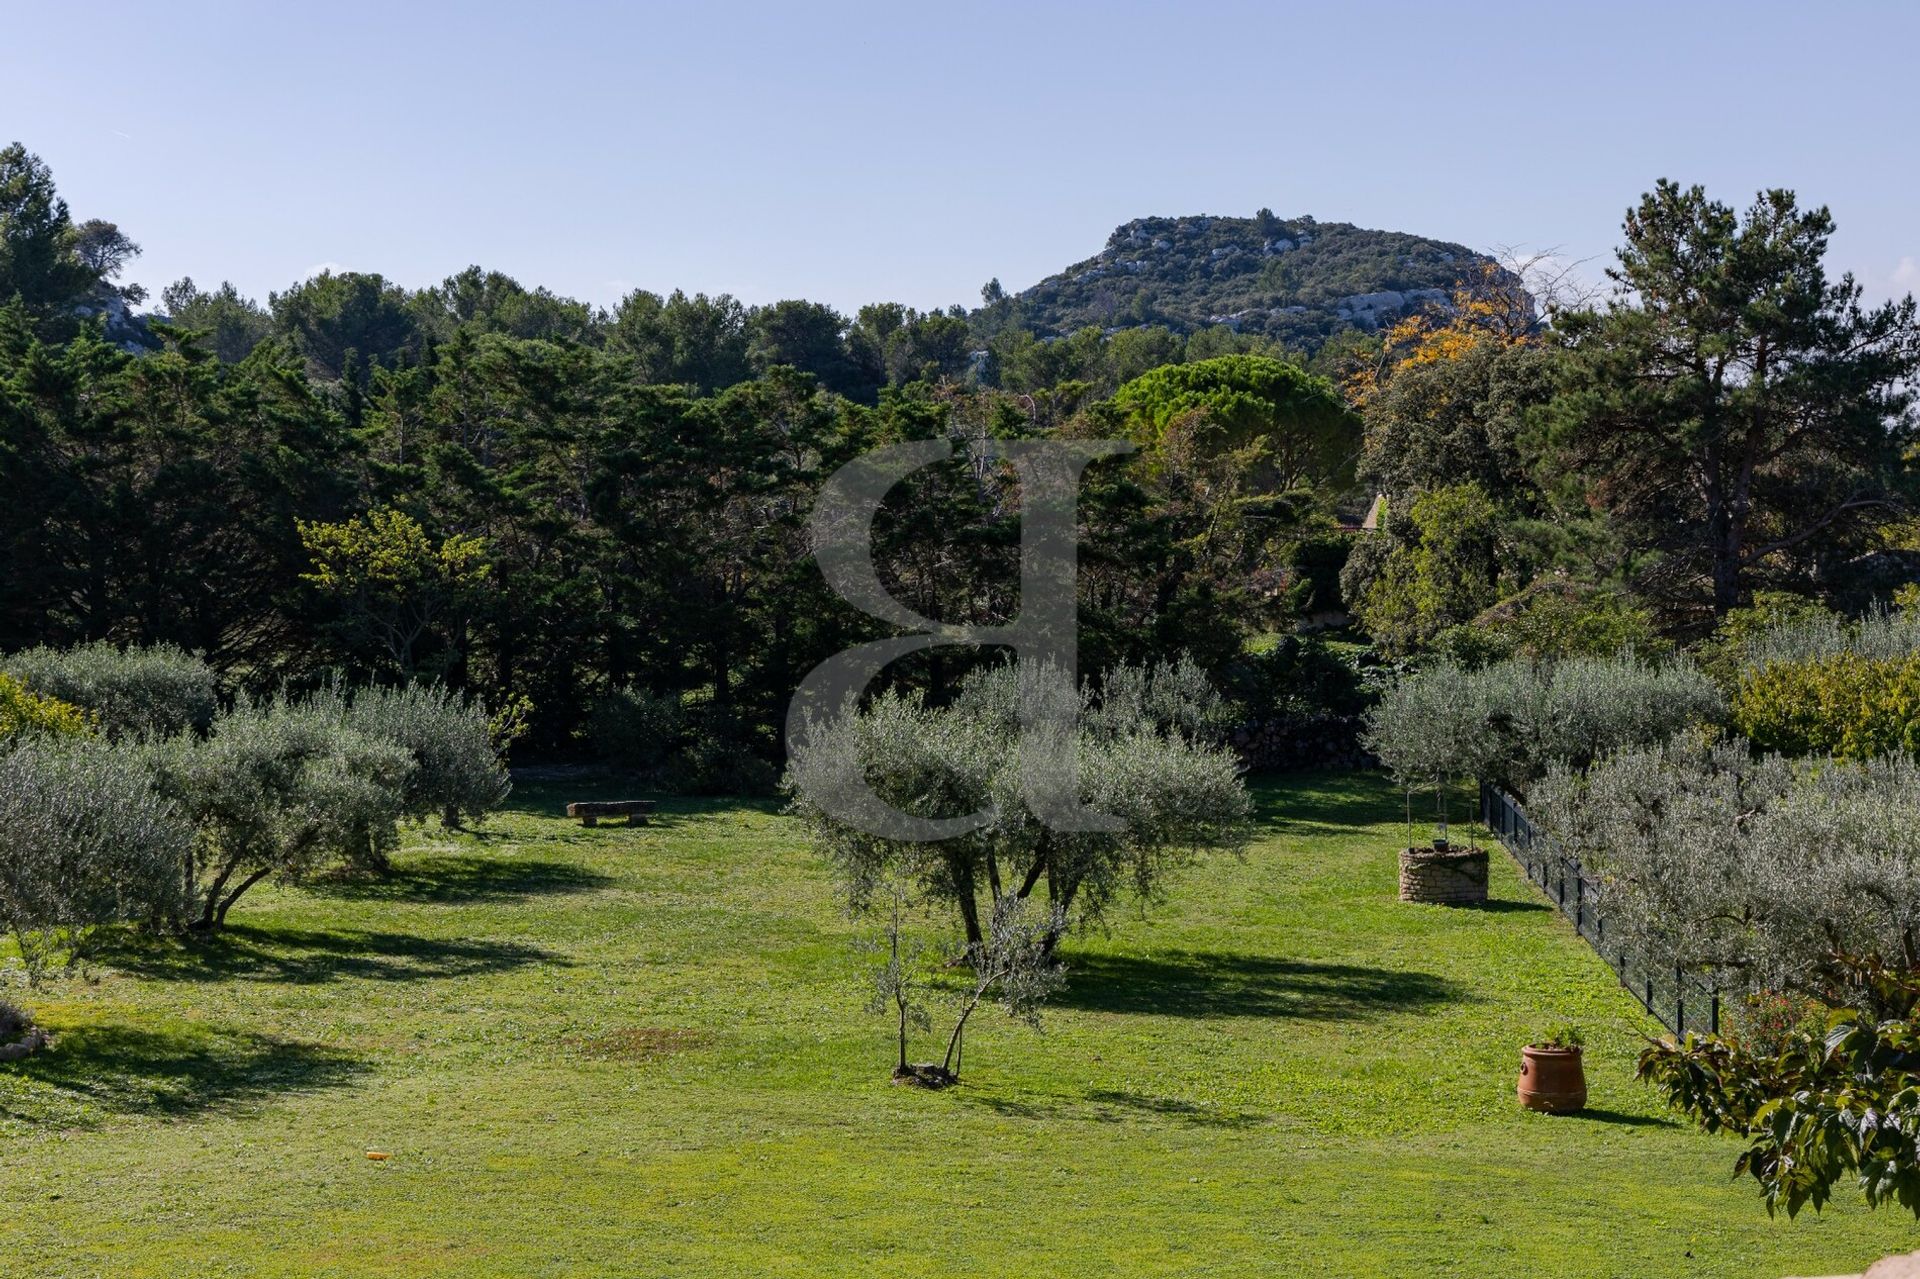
pixel 500 489
pixel 517 493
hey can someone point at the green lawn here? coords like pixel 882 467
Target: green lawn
pixel 597 1052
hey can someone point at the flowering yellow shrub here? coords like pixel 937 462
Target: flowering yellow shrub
pixel 24 711
pixel 1845 705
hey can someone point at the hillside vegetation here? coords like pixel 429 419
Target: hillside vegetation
pixel 1295 280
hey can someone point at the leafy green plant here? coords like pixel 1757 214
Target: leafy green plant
pixel 1828 1102
pixel 1563 1036
pixel 24 713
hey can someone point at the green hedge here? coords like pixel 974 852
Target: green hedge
pixel 1846 704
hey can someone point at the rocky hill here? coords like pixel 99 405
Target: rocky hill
pixel 1294 279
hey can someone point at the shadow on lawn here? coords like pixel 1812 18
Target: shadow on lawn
pixel 128 1070
pixel 1108 1107
pixel 459 878
pixel 1343 800
pixel 1108 1100
pixel 300 956
pixel 1184 984
pixel 1602 1116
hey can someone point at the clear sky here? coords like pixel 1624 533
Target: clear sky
pixel 853 153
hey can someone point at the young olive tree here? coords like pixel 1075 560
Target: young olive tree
pixel 282 786
pixel 1013 965
pixel 1145 753
pixel 85 840
pixel 132 692
pixel 457 771
pixel 1511 721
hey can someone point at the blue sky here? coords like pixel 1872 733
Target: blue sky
pixel 852 153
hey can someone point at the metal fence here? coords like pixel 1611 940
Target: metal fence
pixel 1679 1000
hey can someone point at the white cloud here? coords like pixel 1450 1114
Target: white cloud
pixel 1907 274
pixel 321 269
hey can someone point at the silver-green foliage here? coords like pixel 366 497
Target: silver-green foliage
pixel 162 690
pixel 85 840
pixel 457 771
pixel 1144 753
pixel 283 786
pixel 1511 721
pixel 1758 869
pixel 1879 635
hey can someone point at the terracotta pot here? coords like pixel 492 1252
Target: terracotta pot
pixel 1552 1079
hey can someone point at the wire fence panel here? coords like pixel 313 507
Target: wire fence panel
pixel 1678 1000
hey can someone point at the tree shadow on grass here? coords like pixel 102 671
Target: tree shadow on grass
pixel 1504 906
pixel 461 878
pixel 177 1072
pixel 1110 1100
pixel 1113 1106
pixel 1622 1119
pixel 1315 802
pixel 298 956
pixel 1185 984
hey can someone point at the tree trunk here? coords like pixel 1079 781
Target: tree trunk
pixel 211 911
pixel 220 918
pixel 964 890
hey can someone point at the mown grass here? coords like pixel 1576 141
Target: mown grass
pixel 641 1052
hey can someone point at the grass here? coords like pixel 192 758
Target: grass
pixel 641 1052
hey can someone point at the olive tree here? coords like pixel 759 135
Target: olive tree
pixel 85 840
pixel 132 692
pixel 1447 722
pixel 1147 753
pixel 1511 721
pixel 282 786
pixel 457 771
pixel 1759 870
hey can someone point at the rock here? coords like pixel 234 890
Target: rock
pixel 1904 1266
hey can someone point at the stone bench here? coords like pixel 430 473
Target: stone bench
pixel 590 812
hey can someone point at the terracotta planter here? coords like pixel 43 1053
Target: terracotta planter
pixel 1453 876
pixel 1552 1079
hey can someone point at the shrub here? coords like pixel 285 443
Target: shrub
pixel 15 1022
pixel 1569 622
pixel 1820 685
pixel 1820 635
pixel 24 713
pixel 1724 655
pixel 85 840
pixel 457 772
pixel 283 786
pixel 1756 869
pixel 1837 1097
pixel 1510 721
pixel 633 728
pixel 1847 705
pixel 161 690
pixel 711 763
